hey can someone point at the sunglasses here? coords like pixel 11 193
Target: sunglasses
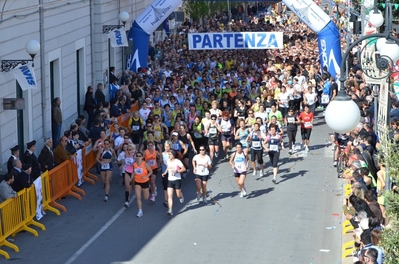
pixel 149 126
pixel 213 118
pixel 202 149
pixel 139 156
pixel 130 149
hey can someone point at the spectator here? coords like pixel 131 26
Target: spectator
pixel 61 153
pixel 46 156
pixel 56 117
pixel 30 158
pixel 6 191
pixel 90 105
pixel 14 156
pixel 84 133
pixel 17 167
pixel 374 206
pixel 23 179
pixel 99 94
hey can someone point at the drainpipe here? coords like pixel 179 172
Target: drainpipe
pixel 45 127
pixel 92 49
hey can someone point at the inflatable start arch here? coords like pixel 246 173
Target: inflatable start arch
pixel 310 13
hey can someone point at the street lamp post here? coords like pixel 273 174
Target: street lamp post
pixel 123 16
pixel 32 47
pixel 342 115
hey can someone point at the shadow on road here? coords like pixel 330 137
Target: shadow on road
pixel 290 176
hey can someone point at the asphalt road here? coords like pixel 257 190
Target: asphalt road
pixel 277 223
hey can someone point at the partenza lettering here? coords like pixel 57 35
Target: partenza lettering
pixel 236 40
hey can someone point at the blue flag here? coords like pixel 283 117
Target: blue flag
pixel 166 26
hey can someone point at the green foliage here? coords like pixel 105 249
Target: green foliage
pixel 198 10
pixel 390 242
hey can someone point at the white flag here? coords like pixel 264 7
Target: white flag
pixel 25 75
pixel 39 198
pixel 79 162
pixel 118 38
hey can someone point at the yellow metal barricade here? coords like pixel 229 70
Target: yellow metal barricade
pixel 46 194
pixel 30 208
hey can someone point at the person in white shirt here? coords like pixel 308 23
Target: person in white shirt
pixel 283 101
pixel 201 165
pixel 310 98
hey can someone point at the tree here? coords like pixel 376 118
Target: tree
pixel 196 10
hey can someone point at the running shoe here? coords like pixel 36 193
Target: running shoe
pixel 152 199
pixel 291 151
pixel 216 154
pixel 106 198
pixel 165 204
pixel 244 192
pixel 170 212
pixel 335 164
pixel 241 195
pixel 261 173
pixel 204 200
pixel 274 181
pixel 254 173
pixel 306 148
pixel 140 213
pixel 199 197
pixel 126 205
pixel 181 199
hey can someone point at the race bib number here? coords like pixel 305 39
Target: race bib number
pixel 175 146
pixel 291 119
pixel 256 144
pixel 239 167
pixel 212 130
pixel 268 110
pixel 157 134
pixel 138 170
pixel 135 128
pixel 197 135
pixel 308 125
pixel 273 148
pixel 151 163
pixel 105 166
pixel 310 101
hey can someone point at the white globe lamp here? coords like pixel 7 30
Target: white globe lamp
pixel 375 18
pixel 342 114
pixel 124 17
pixel 391 50
pixel 32 47
pixel 380 43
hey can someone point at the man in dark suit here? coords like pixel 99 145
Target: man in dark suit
pixel 14 156
pixel 46 156
pixel 16 168
pixel 23 180
pixel 30 158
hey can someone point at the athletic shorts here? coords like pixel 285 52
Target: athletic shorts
pixel 257 152
pixel 155 171
pixel 144 185
pixel 306 133
pixel 227 138
pixel 274 157
pixel 213 141
pixel 238 174
pixel 135 138
pixel 202 177
pixel 176 184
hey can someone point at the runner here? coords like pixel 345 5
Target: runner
pixel 201 165
pixel 271 144
pixel 213 129
pixel 256 137
pixel 159 130
pixel 187 141
pixel 127 162
pixel 165 158
pixel 306 118
pixel 240 163
pixel 227 126
pixel 178 146
pixel 151 155
pixel 197 132
pixel 292 121
pixel 242 135
pixel 142 173
pixel 137 124
pixel 174 168
pixel 104 158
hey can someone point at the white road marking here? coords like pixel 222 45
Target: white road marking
pixel 102 230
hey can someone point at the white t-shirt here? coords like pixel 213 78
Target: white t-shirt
pixel 173 166
pixel 283 99
pixel 310 98
pixel 121 157
pixel 118 142
pixel 199 159
pixel 144 113
pixel 261 115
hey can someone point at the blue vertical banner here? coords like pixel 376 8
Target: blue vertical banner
pixel 143 26
pixel 166 27
pixel 330 48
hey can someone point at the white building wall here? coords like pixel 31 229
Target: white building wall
pixel 67 28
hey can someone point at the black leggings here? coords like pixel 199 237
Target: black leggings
pixel 305 132
pixel 165 182
pixel 274 157
pixel 291 138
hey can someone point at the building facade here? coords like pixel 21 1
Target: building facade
pixel 74 54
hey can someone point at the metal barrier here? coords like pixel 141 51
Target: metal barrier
pixel 60 184
pixel 46 194
pixel 73 178
pixel 30 208
pixel 89 161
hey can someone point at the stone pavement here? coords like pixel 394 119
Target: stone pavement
pixel 289 222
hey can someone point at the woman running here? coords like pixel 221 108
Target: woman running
pixel 256 137
pixel 201 165
pixel 165 158
pixel 306 118
pixel 174 168
pixel 104 158
pixel 197 132
pixel 241 135
pixel 213 130
pixel 271 144
pixel 292 121
pixel 227 126
pixel 240 163
pixel 127 163
pixel 142 173
pixel 151 156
